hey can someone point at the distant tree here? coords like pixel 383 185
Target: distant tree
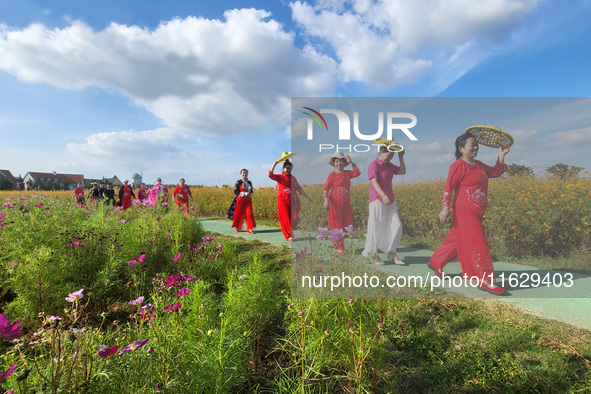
pixel 518 169
pixel 6 184
pixel 564 170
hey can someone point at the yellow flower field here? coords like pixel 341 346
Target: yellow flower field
pixel 527 215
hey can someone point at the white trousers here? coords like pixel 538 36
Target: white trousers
pixel 384 228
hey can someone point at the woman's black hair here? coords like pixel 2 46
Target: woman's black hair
pixel 461 142
pixel 384 149
pixel 286 162
pixel 244 169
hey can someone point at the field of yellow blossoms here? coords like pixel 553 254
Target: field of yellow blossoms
pixel 527 216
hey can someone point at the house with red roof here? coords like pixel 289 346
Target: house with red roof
pixel 52 181
pixel 5 177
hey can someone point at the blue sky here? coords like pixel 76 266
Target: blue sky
pixel 201 89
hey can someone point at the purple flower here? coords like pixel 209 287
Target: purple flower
pixel 164 204
pixel 171 280
pixel 1 216
pixel 9 332
pixel 123 221
pixel 14 264
pixel 219 246
pixel 349 229
pixel 6 374
pixel 108 351
pixel 137 301
pixel 22 198
pixel 53 318
pixel 182 292
pixel 75 296
pixel 321 233
pixel 76 243
pixel 133 346
pixel 159 386
pixel 192 208
pixel 173 307
pixel 189 278
pixel 39 205
pixel 176 257
pixel 207 239
pixel 137 259
pixel 336 234
pixel 301 254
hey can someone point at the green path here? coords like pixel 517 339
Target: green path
pixel 571 305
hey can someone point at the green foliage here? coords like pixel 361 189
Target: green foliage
pixel 518 169
pixel 564 170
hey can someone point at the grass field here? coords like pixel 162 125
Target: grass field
pixel 168 307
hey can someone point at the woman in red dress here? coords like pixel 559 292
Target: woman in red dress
pixel 288 201
pixel 336 195
pixel 125 194
pixel 468 181
pixel 243 208
pixel 182 194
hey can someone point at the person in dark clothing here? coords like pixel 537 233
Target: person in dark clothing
pixel 109 195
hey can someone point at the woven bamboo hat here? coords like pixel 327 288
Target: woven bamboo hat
pixel 491 136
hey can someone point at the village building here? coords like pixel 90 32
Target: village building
pixel 52 181
pixel 6 180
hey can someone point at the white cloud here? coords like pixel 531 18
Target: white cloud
pixel 195 74
pixel 576 137
pixel 393 43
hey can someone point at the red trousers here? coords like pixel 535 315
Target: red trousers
pixel 126 202
pixel 466 241
pixel 340 216
pixel 243 209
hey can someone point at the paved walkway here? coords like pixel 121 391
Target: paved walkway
pixel 569 304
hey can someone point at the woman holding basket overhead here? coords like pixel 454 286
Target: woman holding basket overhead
pixel 467 180
pixel 288 201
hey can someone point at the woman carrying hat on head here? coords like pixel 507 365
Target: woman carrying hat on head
pixel 467 180
pixel 243 203
pixel 288 201
pixel 336 195
pixel 125 195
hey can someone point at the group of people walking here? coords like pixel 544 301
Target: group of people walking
pixel 464 198
pixel 157 195
pixel 467 183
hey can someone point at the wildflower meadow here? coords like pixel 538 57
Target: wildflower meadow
pixel 99 299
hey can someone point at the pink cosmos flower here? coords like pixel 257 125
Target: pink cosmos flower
pixel 164 204
pixel 336 234
pixel 192 208
pixel 14 264
pixel 349 230
pixel 171 280
pixel 109 351
pixel 22 198
pixel 219 246
pixel 207 239
pixel 76 243
pixel 9 332
pixel 7 373
pixel 173 307
pixel 321 233
pixel 137 301
pixel 182 292
pixel 123 221
pixel 189 278
pixel 75 296
pixel 1 216
pixel 133 346
pixel 176 258
pixel 137 259
pixel 39 205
